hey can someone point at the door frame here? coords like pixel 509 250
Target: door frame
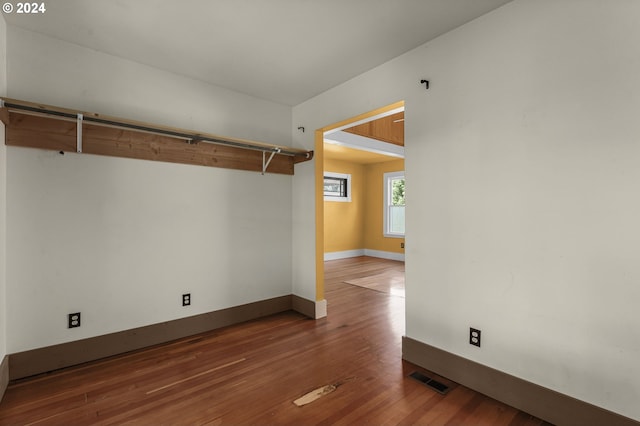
pixel 319 180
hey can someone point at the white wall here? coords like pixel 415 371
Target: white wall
pixel 522 174
pixel 304 228
pixel 49 71
pixel 3 193
pixel 118 239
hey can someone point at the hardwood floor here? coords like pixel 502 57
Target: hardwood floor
pixel 251 374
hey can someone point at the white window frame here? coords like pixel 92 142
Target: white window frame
pixel 346 176
pixel 386 201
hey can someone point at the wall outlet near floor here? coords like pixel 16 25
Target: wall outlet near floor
pixel 474 337
pixel 186 299
pixel 74 320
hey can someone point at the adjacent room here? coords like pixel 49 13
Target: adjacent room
pixel 283 212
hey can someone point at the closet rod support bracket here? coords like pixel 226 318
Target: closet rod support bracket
pixel 265 161
pixel 79 133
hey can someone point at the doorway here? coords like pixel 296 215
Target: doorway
pixel 352 138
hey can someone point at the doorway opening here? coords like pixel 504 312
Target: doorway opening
pixel 352 212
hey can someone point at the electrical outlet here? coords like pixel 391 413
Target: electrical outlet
pixel 474 337
pixel 74 320
pixel 186 299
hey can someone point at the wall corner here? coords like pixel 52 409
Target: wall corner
pixel 309 308
pixel 4 375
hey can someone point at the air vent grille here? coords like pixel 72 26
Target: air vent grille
pixel 428 381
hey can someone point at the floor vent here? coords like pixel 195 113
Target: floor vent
pixel 427 381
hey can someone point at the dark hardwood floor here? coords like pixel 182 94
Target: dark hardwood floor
pixel 251 373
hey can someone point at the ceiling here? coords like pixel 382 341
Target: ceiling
pixel 285 51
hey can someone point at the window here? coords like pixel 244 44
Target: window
pixel 394 204
pixel 337 186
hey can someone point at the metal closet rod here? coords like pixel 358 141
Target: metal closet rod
pixel 189 137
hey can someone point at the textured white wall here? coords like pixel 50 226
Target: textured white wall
pixel 121 240
pixel 522 207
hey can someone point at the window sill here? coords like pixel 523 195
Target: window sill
pixel 394 235
pixel 338 199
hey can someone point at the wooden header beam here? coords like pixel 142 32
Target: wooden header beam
pixel 59 129
pixel 388 129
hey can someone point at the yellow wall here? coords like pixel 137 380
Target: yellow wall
pixel 343 221
pixel 374 238
pixel 357 224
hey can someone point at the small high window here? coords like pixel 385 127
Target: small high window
pixel 337 186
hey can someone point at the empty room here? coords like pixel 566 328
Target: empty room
pixel 170 252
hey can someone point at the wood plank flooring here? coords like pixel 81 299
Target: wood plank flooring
pixel 251 374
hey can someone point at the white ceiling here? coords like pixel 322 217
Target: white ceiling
pixel 286 51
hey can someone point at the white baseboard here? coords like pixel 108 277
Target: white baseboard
pixel 384 254
pixel 363 252
pixel 335 255
pixel 321 308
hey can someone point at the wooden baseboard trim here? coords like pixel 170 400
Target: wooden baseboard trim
pixel 309 308
pixel 536 400
pixel 42 360
pixel 304 306
pixel 4 376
